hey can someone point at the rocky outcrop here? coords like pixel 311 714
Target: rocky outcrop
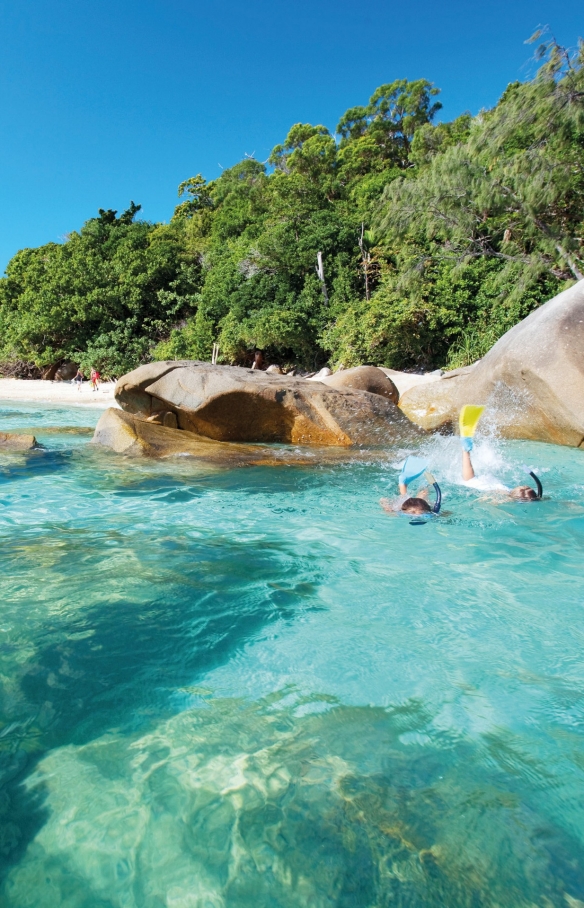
pixel 363 378
pixel 12 441
pixel 128 434
pixel 434 405
pixel 233 404
pixel 531 381
pixel 403 381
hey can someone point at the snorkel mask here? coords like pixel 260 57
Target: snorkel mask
pixel 421 519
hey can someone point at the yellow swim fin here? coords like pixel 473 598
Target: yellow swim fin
pixel 469 420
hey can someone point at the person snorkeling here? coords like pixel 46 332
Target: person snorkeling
pixel 413 468
pixel 468 421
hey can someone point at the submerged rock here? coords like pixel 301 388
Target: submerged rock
pixel 531 381
pixel 12 441
pixel 228 403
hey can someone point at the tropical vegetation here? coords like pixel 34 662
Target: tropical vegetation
pixel 398 241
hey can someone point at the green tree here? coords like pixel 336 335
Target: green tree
pixel 101 298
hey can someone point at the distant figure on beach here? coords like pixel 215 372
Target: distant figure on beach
pixel 95 379
pixel 258 360
pixel 78 379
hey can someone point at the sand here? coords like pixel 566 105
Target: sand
pixel 58 392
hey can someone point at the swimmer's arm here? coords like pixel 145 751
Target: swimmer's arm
pixel 392 505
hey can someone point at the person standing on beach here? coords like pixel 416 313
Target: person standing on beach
pixel 95 377
pixel 78 379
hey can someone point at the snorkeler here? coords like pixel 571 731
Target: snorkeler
pixel 468 421
pixel 411 469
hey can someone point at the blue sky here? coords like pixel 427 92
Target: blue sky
pixel 104 101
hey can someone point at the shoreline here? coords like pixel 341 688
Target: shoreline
pixel 57 392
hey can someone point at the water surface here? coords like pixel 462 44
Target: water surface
pixel 251 687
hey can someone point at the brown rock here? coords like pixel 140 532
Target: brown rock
pixel 66 371
pixel 164 418
pixel 131 435
pixel 130 392
pixel 531 381
pixel 12 441
pixel 363 378
pixel 234 404
pixel 126 433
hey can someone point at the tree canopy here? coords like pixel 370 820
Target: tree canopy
pixel 396 241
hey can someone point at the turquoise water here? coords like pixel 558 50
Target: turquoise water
pixel 251 687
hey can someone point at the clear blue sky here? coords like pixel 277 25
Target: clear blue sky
pixel 104 101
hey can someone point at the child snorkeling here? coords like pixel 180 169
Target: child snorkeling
pixel 416 506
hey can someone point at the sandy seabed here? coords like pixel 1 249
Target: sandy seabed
pixel 58 392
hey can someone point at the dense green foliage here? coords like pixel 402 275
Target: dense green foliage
pixel 433 241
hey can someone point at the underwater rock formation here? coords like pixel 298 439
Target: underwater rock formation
pixel 226 403
pixel 531 381
pixel 13 441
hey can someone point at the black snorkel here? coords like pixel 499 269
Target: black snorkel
pixel 538 484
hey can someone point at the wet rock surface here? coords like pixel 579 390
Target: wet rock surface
pixel 14 441
pixel 132 435
pixel 531 381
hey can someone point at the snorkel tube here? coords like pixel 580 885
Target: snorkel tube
pixel 538 484
pixel 530 472
pixel 418 521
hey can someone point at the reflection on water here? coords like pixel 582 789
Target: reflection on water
pixel 252 687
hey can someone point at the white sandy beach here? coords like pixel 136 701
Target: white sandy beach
pixel 57 392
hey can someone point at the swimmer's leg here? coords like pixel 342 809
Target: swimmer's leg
pixel 467 467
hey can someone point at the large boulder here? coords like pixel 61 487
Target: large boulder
pixel 531 381
pixel 435 404
pixel 132 435
pixel 363 378
pixel 126 433
pixel 403 381
pixel 227 403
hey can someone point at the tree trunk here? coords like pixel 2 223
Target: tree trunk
pixel 320 274
pixel 571 264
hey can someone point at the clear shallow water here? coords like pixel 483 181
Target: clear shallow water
pixel 251 687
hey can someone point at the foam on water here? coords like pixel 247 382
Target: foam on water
pixel 252 687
